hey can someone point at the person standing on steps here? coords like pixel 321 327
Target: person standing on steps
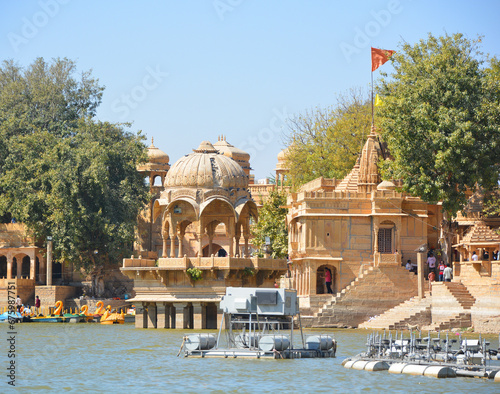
pixel 441 270
pixel 447 273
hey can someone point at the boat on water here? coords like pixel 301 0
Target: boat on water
pixel 439 357
pixel 14 317
pixel 56 317
pixel 110 317
pixel 260 324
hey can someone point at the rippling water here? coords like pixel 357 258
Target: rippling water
pixel 122 359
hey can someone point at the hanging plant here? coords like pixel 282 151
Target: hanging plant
pixel 247 271
pixel 195 273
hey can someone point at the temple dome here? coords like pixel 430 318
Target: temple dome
pixel 231 151
pixel 156 155
pixel 206 168
pixel 386 185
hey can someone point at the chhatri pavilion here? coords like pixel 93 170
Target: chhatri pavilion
pixel 202 215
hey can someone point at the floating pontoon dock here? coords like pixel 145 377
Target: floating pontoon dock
pixel 259 324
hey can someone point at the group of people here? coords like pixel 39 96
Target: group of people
pixel 26 309
pixel 442 271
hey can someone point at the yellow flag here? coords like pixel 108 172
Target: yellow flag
pixel 378 101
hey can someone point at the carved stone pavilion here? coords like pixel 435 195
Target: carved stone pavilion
pixel 203 211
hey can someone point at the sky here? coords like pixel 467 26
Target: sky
pixel 188 71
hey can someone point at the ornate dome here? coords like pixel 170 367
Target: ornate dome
pixel 156 155
pixel 386 185
pixel 205 168
pixel 240 156
pixel 229 150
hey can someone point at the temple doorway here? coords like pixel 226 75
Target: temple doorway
pixel 320 279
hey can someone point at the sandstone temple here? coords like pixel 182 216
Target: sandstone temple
pixel 193 240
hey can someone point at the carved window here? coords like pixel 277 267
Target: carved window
pixel 385 240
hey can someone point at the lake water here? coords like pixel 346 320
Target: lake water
pixel 123 359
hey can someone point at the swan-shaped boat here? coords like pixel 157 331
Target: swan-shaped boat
pixel 112 317
pixel 99 311
pixel 56 317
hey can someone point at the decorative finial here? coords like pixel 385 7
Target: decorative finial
pixel 152 141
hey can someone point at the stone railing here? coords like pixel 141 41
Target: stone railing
pixel 209 263
pixel 134 262
pixel 387 258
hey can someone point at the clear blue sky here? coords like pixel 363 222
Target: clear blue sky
pixel 187 71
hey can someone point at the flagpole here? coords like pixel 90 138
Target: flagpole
pixel 372 102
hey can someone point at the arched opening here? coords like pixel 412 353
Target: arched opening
pixel 217 251
pixel 211 312
pixel 321 275
pixel 25 267
pixel 3 267
pixel 146 181
pixel 157 181
pixel 14 268
pixel 56 271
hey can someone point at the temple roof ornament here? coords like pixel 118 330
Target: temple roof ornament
pixel 156 155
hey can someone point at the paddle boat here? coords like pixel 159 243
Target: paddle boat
pixel 56 317
pixel 112 317
pixel 12 317
pixel 99 311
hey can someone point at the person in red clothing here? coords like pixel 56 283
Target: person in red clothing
pixel 37 305
pixel 328 280
pixel 441 270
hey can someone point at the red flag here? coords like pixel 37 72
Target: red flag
pixel 379 57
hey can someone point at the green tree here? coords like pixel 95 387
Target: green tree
pixel 63 173
pixel 272 224
pixel 326 142
pixel 440 119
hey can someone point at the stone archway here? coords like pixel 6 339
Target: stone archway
pixel 320 279
pixel 25 267
pixel 215 250
pixel 3 267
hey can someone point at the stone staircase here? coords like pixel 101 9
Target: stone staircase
pixel 462 295
pixel 374 291
pixel 462 320
pixel 411 312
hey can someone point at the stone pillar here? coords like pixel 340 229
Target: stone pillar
pixel 180 315
pixel 237 237
pixel 420 270
pixel 179 250
pixel 152 315
pixel 172 245
pixel 9 268
pixel 200 240
pixel 49 263
pixel 140 316
pixel 161 316
pixel 199 316
pixel 164 252
pixel 32 268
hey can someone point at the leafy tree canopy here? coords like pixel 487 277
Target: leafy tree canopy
pixel 326 142
pixel 441 119
pixel 272 224
pixel 63 173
